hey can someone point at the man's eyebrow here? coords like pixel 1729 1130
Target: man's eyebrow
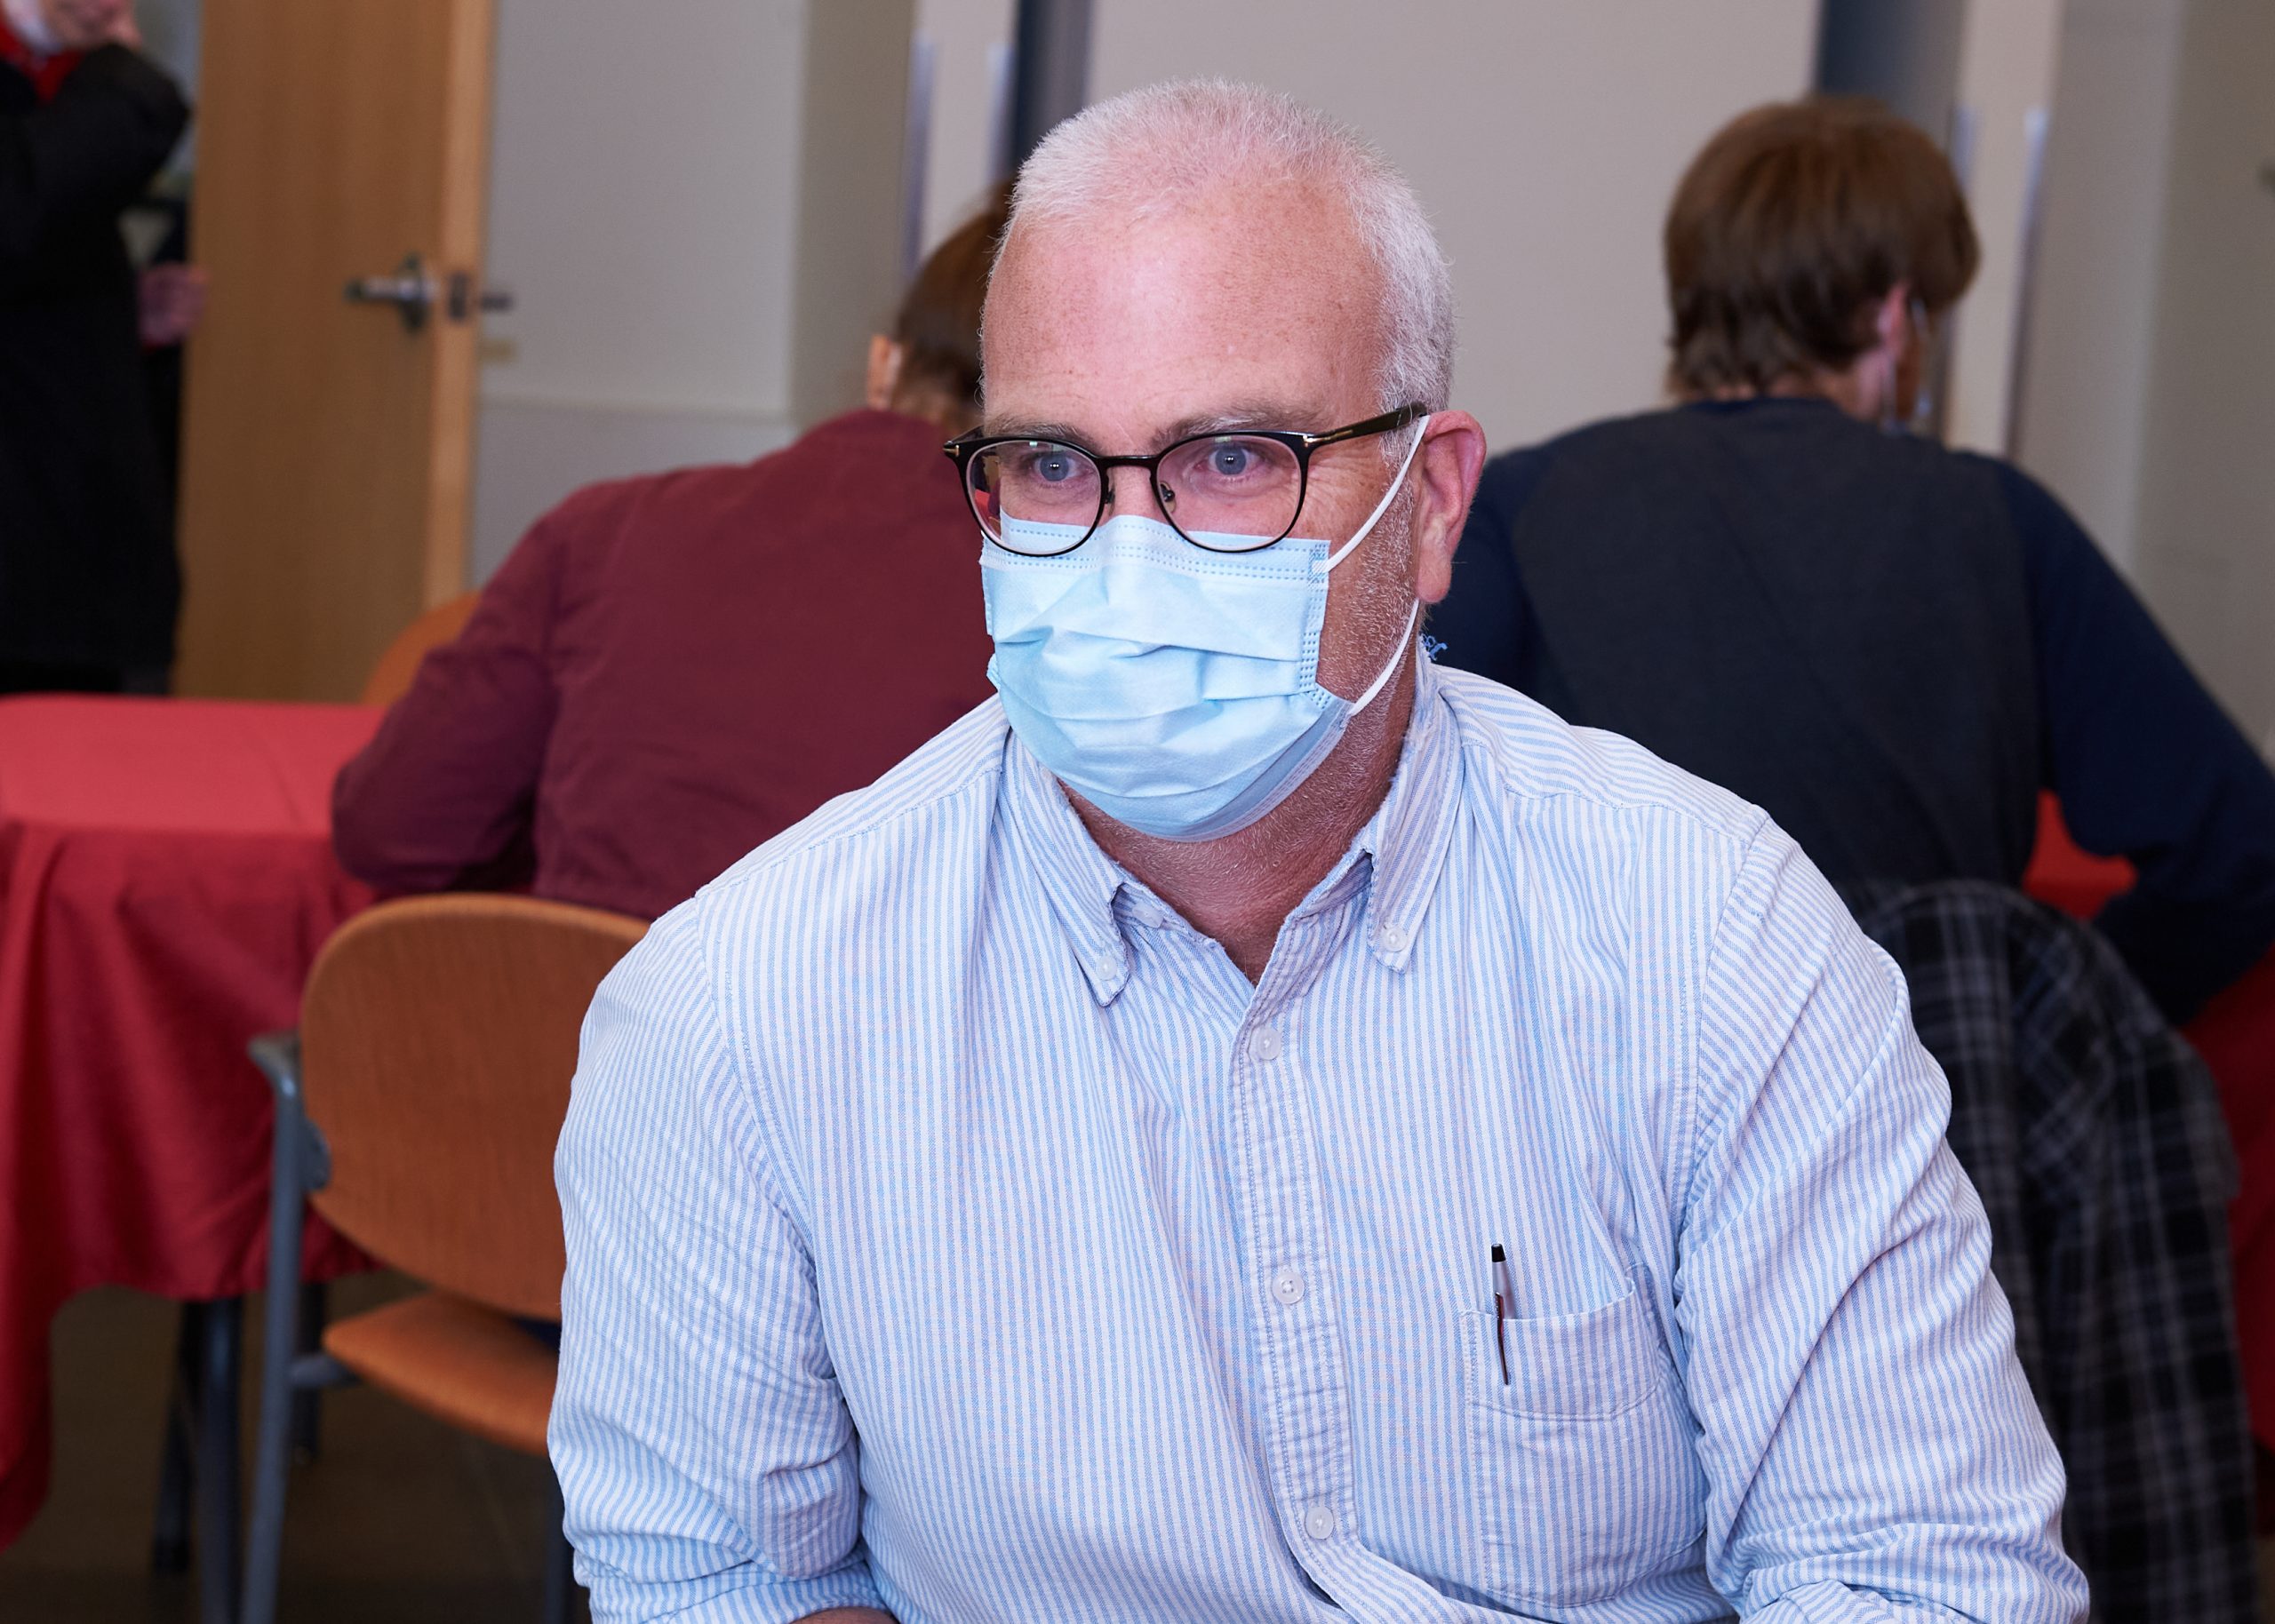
pixel 1229 420
pixel 1241 419
pixel 1016 430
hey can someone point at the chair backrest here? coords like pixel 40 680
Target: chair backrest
pixel 438 1037
pixel 398 661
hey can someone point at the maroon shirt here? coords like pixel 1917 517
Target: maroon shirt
pixel 668 670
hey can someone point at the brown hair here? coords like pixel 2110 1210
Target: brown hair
pixel 1790 225
pixel 938 326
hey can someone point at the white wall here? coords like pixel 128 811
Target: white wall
pixel 2205 523
pixel 2006 84
pixel 1543 137
pixel 2149 394
pixel 644 184
pixel 971 45
pixel 2093 314
pixel 851 225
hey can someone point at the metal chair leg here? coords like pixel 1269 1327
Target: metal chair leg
pixel 177 1474
pixel 222 1368
pixel 560 1570
pixel 307 1412
pixel 272 1461
pixel 295 1167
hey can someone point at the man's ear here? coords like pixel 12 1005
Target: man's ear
pixel 885 372
pixel 1892 320
pixel 1445 470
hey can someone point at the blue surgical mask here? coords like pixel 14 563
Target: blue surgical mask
pixel 1174 689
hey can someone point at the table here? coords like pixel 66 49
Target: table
pixel 2235 1034
pixel 165 879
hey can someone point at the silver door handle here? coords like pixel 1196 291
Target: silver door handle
pixel 414 290
pixel 411 292
pixel 464 300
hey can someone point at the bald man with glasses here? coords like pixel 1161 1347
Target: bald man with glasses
pixel 1245 1125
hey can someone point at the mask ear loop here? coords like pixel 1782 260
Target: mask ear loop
pixel 1381 507
pixel 1397 652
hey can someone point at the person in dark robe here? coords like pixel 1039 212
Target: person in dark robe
pixel 89 582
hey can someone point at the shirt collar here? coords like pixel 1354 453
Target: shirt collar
pixel 1405 841
pixel 1397 856
pixel 1080 881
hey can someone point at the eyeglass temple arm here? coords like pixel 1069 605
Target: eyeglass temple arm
pixel 1382 424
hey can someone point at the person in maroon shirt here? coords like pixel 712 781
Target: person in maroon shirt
pixel 668 670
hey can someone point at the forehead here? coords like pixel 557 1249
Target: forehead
pixel 1121 329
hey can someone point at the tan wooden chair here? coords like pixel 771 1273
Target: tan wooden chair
pixel 398 661
pixel 417 1109
pixel 198 1473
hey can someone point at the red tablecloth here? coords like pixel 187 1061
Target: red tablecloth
pixel 165 879
pixel 2236 1036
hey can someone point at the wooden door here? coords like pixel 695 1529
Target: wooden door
pixel 328 445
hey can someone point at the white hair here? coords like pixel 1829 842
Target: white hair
pixel 1140 153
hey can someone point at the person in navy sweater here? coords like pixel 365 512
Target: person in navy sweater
pixel 1890 646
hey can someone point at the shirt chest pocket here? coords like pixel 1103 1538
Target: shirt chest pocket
pixel 1584 1462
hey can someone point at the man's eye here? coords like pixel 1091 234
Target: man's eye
pixel 1230 460
pixel 1044 465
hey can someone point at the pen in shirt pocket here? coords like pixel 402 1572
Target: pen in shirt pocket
pixel 1504 1299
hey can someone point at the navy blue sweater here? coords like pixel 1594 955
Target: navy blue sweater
pixel 1888 646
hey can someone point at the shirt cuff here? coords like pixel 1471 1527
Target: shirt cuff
pixel 761 1600
pixel 1825 1604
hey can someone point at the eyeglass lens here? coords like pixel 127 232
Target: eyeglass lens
pixel 1229 492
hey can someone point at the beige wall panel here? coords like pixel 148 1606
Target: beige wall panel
pixel 1543 137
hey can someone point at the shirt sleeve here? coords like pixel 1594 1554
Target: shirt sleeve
pixel 85 154
pixel 445 795
pixel 2147 767
pixel 707 1460
pixel 1871 1445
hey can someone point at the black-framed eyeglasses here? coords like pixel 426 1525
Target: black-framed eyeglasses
pixel 1226 492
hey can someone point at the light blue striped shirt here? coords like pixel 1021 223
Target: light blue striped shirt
pixel 953 1229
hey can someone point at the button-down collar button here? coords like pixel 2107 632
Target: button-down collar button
pixel 1393 939
pixel 1319 1522
pixel 1264 1044
pixel 1287 1286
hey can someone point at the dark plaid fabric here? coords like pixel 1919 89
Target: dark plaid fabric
pixel 2095 1135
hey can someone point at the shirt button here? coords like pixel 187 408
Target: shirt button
pixel 1287 1286
pixel 1264 1044
pixel 1393 939
pixel 1319 1522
